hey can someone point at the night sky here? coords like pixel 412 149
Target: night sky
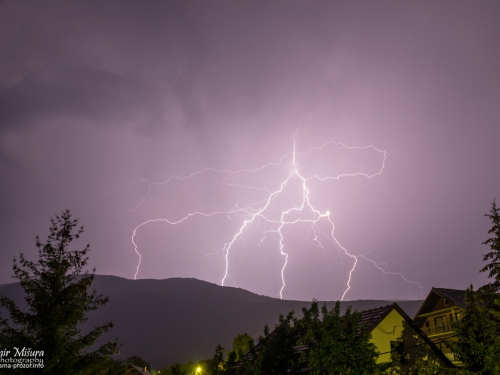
pixel 127 111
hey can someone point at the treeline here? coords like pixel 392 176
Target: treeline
pixel 282 350
pixel 324 342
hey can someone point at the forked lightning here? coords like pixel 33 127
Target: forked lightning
pixel 265 209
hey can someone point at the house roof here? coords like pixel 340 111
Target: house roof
pixel 374 316
pixel 455 296
pixel 140 370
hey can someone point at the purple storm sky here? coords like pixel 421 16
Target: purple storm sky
pixel 99 97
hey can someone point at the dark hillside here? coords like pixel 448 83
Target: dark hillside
pixel 174 320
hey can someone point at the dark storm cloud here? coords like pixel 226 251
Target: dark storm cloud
pixel 111 60
pixel 99 95
pixel 94 95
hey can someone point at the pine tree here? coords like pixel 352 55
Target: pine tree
pixel 478 346
pixel 57 295
pixel 493 267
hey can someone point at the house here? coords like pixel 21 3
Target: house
pixel 440 309
pixel 134 370
pixel 392 330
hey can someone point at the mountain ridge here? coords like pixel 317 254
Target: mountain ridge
pixel 178 319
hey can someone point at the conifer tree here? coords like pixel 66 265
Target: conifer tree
pixel 493 267
pixel 57 295
pixel 478 346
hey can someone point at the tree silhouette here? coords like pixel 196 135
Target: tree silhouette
pixel 478 346
pixel 493 267
pixel 57 295
pixel 336 344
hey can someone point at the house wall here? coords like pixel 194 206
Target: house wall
pixel 437 324
pixel 441 313
pixel 395 328
pixel 389 329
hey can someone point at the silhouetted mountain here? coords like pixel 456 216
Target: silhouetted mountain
pixel 174 320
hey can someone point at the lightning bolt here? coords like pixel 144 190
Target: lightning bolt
pixel 266 210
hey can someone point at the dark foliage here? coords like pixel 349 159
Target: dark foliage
pixel 493 257
pixel 241 345
pixel 318 343
pixel 58 299
pixel 275 353
pixel 216 365
pixel 478 346
pixel 335 343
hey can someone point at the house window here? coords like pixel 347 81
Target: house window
pixel 439 321
pixel 398 349
pixel 446 302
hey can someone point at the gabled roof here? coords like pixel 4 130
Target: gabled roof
pixel 455 296
pixel 140 370
pixel 374 316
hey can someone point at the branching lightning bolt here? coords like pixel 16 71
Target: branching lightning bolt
pixel 265 208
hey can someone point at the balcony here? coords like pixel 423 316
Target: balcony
pixel 437 330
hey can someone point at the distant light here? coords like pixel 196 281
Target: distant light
pixel 198 369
